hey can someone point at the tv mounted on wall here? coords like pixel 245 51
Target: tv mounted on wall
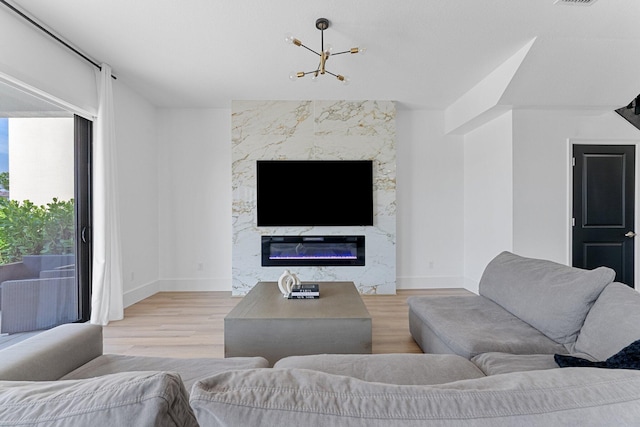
pixel 314 193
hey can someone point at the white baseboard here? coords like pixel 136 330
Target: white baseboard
pixel 190 285
pixel 224 285
pixel 138 294
pixel 175 285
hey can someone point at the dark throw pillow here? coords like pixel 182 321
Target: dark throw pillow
pixel 627 358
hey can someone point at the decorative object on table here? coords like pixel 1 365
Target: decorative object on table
pixel 286 281
pixel 305 291
pixel 324 54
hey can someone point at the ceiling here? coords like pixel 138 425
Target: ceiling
pixel 424 54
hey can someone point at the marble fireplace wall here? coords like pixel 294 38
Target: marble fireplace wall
pixel 314 130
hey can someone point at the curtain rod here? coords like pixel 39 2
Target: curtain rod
pixel 55 37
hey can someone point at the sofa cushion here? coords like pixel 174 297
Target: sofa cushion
pixel 389 368
pixel 190 370
pixel 295 397
pixel 612 323
pixel 494 363
pixel 471 325
pixel 553 298
pixel 126 399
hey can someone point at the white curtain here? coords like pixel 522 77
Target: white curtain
pixel 107 288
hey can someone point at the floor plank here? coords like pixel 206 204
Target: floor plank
pixel 191 324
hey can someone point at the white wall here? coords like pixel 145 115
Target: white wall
pixel 41 164
pixel 138 189
pixel 34 59
pixel 517 182
pixel 488 195
pixel 460 200
pixel 541 163
pixel 430 202
pixel 455 209
pixel 195 199
pixel 42 67
pixel 458 204
pixel 175 178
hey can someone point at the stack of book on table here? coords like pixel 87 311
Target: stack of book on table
pixel 305 291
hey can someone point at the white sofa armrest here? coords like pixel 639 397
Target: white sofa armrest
pixel 51 354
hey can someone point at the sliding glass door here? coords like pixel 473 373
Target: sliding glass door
pixel 45 245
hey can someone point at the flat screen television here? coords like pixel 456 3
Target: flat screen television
pixel 314 193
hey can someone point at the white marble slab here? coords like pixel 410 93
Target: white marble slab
pixel 314 130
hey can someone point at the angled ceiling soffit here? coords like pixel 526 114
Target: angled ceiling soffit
pixel 484 101
pixel 576 73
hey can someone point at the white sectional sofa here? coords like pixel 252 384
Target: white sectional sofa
pixel 527 311
pixel 496 368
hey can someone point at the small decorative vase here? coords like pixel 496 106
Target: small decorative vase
pixel 286 281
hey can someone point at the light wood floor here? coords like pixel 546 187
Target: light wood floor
pixel 191 324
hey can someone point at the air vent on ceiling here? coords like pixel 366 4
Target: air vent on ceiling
pixel 576 2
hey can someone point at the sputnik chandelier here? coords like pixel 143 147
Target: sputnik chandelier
pixel 324 54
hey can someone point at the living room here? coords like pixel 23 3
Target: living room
pixel 467 172
pixel 473 109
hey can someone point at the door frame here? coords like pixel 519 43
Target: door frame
pixel 82 172
pixel 602 141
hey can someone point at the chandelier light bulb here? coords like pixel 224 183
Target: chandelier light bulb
pixel 288 38
pixel 293 76
pixel 362 50
pixel 344 79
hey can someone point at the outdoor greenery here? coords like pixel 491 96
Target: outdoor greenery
pixel 4 180
pixel 28 229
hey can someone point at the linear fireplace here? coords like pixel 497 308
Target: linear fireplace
pixel 312 251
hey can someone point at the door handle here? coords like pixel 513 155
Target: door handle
pixel 630 234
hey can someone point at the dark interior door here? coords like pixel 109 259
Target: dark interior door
pixel 603 208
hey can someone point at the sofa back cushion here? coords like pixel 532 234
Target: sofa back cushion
pixel 125 399
pixel 612 323
pixel 189 369
pixel 398 368
pixel 551 297
pixel 303 397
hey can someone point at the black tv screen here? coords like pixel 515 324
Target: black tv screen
pixel 314 192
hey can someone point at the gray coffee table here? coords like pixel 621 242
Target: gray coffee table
pixel 266 324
